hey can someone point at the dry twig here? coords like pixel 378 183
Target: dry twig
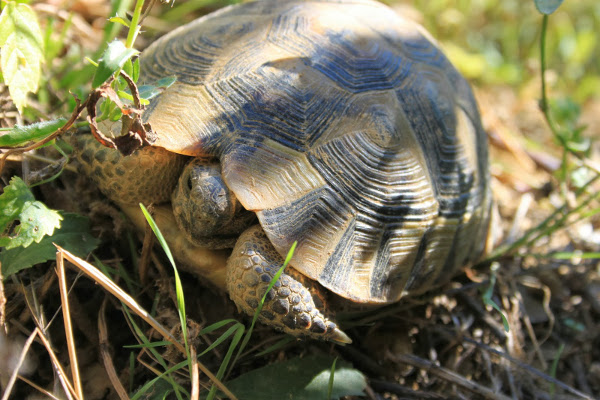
pixel 105 353
pixel 195 375
pixel 62 283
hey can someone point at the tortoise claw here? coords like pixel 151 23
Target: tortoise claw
pixel 293 305
pixel 338 336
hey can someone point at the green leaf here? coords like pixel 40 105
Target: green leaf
pixel 119 20
pixel 35 219
pixel 149 91
pixel 115 56
pixel 73 235
pixel 580 178
pixel 20 135
pixel 128 96
pixel 299 379
pixel 22 52
pixel 162 343
pixel 547 6
pixel 178 287
pixel 136 70
pixel 128 69
pixel 12 200
pixel 331 379
pixel 166 81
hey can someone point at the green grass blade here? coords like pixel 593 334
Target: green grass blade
pixel 570 255
pixel 217 325
pixel 178 286
pixel 161 343
pixel 150 384
pixel 223 367
pixel 554 367
pixel 489 291
pixel 131 371
pixel 277 346
pixel 165 375
pixel 331 379
pixel 132 286
pixel 234 329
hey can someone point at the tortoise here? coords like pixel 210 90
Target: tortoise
pixel 339 125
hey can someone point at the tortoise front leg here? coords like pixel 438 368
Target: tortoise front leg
pixel 289 306
pixel 208 264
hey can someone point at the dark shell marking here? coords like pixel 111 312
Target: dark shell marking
pixel 343 127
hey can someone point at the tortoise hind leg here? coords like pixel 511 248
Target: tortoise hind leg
pixel 289 306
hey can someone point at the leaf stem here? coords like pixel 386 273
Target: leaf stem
pixel 134 28
pixel 546 111
pixel 544 106
pixel 544 101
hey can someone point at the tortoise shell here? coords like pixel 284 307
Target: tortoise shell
pixel 343 127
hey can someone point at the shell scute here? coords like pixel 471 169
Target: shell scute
pixel 343 127
pixel 340 47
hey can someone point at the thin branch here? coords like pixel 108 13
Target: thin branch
pixel 39 388
pixel 105 354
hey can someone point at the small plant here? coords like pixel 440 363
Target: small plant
pixel 575 170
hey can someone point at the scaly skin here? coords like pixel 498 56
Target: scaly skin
pixel 296 305
pixel 208 264
pixel 148 176
pixel 289 305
